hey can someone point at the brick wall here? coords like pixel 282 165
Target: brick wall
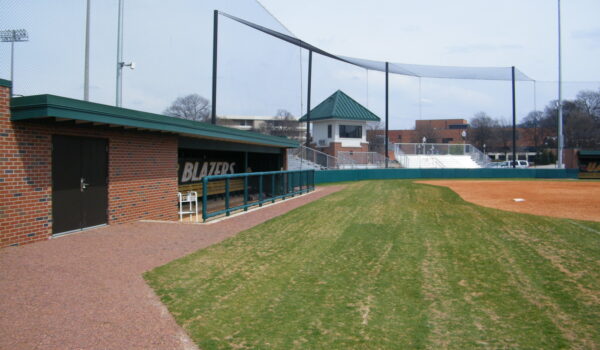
pixel 142 175
pixel 335 147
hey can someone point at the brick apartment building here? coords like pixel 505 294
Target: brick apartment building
pixel 440 131
pixel 451 131
pixel 67 164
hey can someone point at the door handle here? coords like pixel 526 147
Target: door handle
pixel 82 184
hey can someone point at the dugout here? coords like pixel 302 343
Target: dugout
pixel 589 164
pixel 69 164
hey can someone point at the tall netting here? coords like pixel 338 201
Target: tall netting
pixel 262 66
pixel 171 45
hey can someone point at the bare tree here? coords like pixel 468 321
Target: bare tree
pixel 589 102
pixel 530 127
pixel 483 130
pixel 505 135
pixel 192 107
pixel 376 138
pixel 284 125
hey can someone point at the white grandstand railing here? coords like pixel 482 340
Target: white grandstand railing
pixel 362 159
pixel 402 149
pixel 314 159
pixel 308 158
pixel 479 157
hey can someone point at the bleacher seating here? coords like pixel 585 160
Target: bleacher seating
pixel 438 161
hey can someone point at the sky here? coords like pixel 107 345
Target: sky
pixel 171 44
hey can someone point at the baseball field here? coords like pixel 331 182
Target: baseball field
pixel 393 265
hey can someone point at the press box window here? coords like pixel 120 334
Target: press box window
pixel 329 130
pixel 351 131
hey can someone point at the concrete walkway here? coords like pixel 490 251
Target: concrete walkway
pixel 85 291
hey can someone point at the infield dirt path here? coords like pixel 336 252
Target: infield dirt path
pixel 562 199
pixel 86 291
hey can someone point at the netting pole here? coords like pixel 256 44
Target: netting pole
pixel 514 120
pixel 534 96
pixel 560 140
pixel 420 101
pixel 387 74
pixel 367 88
pixel 308 98
pixel 213 117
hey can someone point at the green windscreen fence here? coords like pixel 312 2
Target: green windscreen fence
pixel 328 176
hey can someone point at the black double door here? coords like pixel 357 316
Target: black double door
pixel 79 183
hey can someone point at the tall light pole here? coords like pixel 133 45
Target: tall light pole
pixel 119 54
pixel 561 141
pixel 86 69
pixel 12 36
pixel 120 63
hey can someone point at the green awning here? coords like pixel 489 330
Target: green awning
pixel 62 108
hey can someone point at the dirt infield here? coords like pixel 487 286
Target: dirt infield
pixel 561 199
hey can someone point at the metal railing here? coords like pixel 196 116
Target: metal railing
pixel 307 158
pixel 353 160
pixel 242 191
pixel 402 150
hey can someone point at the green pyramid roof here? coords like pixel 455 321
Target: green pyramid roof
pixel 340 106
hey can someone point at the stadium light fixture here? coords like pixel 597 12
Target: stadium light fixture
pixel 12 36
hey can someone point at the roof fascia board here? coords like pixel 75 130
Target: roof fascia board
pixel 42 106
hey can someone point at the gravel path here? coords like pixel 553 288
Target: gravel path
pixel 85 291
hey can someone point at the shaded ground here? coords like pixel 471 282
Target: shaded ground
pixel 392 265
pixel 563 199
pixel 86 291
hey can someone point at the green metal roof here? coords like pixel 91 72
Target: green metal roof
pixel 44 106
pixel 5 83
pixel 340 106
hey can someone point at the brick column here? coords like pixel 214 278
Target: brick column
pixel 25 177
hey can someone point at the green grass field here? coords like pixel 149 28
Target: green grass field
pixel 392 265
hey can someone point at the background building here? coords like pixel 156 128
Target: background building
pixel 280 125
pixel 435 131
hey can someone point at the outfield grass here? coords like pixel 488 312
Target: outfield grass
pixel 392 265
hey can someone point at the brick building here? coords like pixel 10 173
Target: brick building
pixel 67 164
pixel 438 131
pixel 451 131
